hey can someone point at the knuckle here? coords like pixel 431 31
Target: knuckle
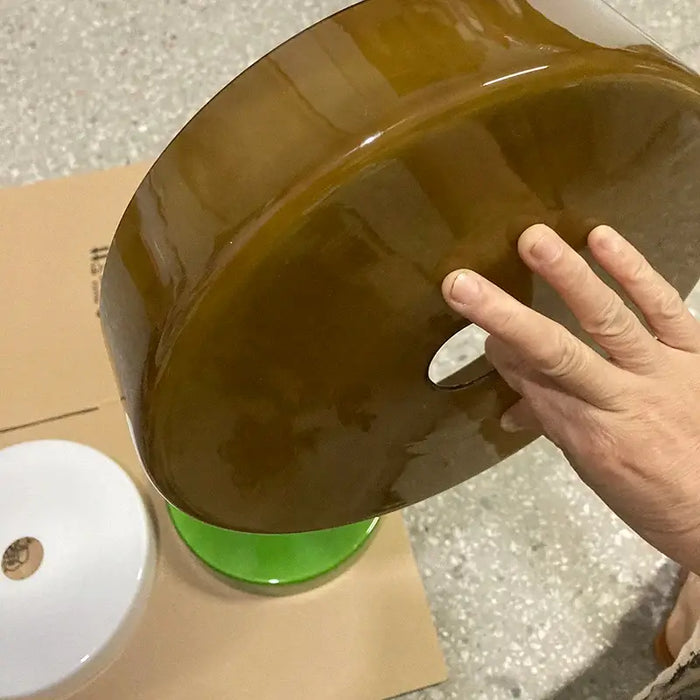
pixel 566 357
pixel 670 306
pixel 624 329
pixel 614 400
pixel 611 320
pixel 623 334
pixel 639 270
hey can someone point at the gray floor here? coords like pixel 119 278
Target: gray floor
pixel 537 590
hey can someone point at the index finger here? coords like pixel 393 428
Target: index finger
pixel 544 344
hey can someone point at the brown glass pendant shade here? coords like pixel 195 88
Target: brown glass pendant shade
pixel 272 297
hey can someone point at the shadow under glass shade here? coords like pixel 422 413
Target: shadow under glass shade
pixel 272 297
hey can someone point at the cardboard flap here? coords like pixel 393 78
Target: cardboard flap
pixel 54 237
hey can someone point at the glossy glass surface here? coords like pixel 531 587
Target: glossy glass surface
pixel 273 561
pixel 272 298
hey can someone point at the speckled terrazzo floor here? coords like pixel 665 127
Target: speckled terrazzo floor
pixel 537 590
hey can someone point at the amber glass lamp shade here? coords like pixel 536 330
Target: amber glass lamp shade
pixel 272 297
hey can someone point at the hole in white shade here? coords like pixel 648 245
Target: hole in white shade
pixel 22 558
pixel 461 360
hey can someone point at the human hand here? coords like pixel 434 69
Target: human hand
pixel 630 424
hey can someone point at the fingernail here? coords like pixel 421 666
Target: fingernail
pixel 608 239
pixel 547 247
pixel 509 424
pixel 465 288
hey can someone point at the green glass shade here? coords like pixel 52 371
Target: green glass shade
pixel 279 562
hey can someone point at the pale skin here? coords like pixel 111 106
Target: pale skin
pixel 629 424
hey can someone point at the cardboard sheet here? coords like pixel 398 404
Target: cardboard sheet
pixel 366 634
